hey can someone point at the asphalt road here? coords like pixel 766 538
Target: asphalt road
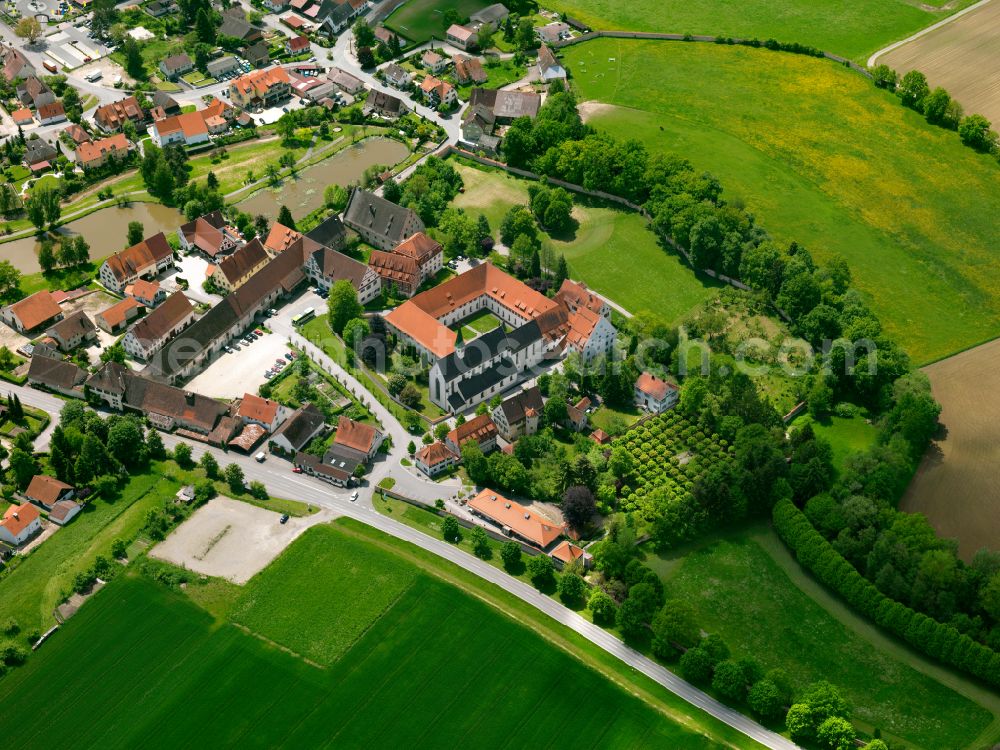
pixel 281 482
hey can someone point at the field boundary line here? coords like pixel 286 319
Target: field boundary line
pixel 924 32
pixel 275 644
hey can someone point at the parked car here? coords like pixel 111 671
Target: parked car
pixel 289 356
pixel 284 519
pixel 258 331
pixel 260 457
pixel 296 469
pixel 354 496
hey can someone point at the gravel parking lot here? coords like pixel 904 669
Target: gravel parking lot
pixel 232 540
pixel 242 371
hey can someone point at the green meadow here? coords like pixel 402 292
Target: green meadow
pixel 419 20
pixel 825 159
pixel 849 29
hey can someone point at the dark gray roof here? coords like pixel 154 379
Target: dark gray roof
pixel 55 373
pixel 471 387
pixel 491 344
pixel 383 102
pixel 257 53
pixel 343 457
pixel 334 13
pixel 76 324
pixel 329 232
pixel 163 99
pixel 378 215
pixel 299 428
pixel 515 406
pixel 490 14
pixel 221 65
pixel 232 26
pixel 320 466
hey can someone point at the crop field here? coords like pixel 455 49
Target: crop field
pixel 440 668
pixel 956 485
pixel 823 158
pixel 848 29
pixel 419 20
pixel 669 451
pixel 740 591
pixel 604 250
pixel 321 616
pixel 962 57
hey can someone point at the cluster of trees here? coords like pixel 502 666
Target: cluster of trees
pixel 73 251
pixel 428 191
pixel 163 171
pixel 937 107
pixel 552 207
pixel 462 234
pixel 945 642
pixel 68 94
pixel 44 207
pixel 364 38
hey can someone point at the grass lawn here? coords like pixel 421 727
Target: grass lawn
pixel 846 435
pixel 30 592
pixel 605 250
pixel 477 324
pixel 613 421
pixel 419 20
pixel 822 157
pixel 849 29
pixel 499 75
pixel 438 667
pixel 739 591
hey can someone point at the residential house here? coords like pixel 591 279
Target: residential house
pixel 566 553
pixel 549 67
pixel 480 430
pixel 15 64
pixel 159 8
pixel 396 76
pixel 73 331
pixel 145 292
pixel 296 45
pixel 298 430
pixel 98 153
pixel 31 313
pixel 325 267
pixel 77 134
pixel 19 524
pixel 235 270
pixel 163 101
pixel 258 55
pixel 45 491
pixel 576 415
pixel 469 70
pixel 576 295
pixel 492 17
pixel 427 252
pixel 519 415
pixel 208 336
pixel 433 62
pixel 162 324
pixel 111 117
pixel 56 375
pixel 174 66
pixel 384 105
pixel 115 318
pixel 435 458
pixel 384 35
pixel 261 88
pixel 477 126
pixel 22 117
pixel 331 468
pixel 275 6
pixel 222 66
pixel 39 153
pixel 380 223
pixel 51 113
pixel 310 87
pixel 143 260
pixel 654 393
pixel 166 407
pixel 64 511
pixel 210 235
pixel 438 93
pixel 235 25
pixel 295 23
pixel 34 92
pixel 461 37
pixel 346 82
pixel 553 32
pixel 357 439
pixel 507 106
pixel 600 437
pixel 330 233
pixel 188 128
pixel 515 519
pixel 262 411
pixel 333 17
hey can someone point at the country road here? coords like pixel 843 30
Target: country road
pixel 281 482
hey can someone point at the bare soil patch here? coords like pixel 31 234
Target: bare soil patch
pixel 957 485
pixel 232 540
pixel 962 56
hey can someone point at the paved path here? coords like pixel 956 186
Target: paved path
pixel 922 32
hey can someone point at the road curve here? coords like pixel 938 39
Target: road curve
pixel 281 482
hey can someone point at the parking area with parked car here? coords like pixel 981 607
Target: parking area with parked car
pixel 251 360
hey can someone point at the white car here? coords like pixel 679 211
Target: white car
pixel 354 496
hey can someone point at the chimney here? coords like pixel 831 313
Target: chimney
pixel 189 398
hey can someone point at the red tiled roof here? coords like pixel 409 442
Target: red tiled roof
pixel 298 43
pixel 19 517
pixel 280 238
pixel 396 268
pixel 39 308
pixel 143 289
pixel 418 246
pixel 88 152
pixel 480 429
pixel 514 516
pixel 118 312
pixel 45 489
pixel 21 116
pixel 147 253
pixel 259 409
pixel 653 386
pixel 355 435
pixel 434 454
pixel 567 552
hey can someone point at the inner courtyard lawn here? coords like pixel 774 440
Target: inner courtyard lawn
pixel 849 29
pixel 823 158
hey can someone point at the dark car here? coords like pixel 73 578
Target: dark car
pixel 284 518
